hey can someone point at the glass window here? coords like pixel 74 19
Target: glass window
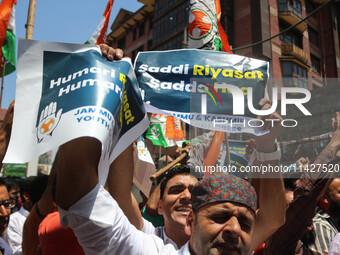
pixel 300 71
pixel 316 63
pixel 141 30
pixel 291 36
pixel 313 36
pixel 282 5
pixel 294 74
pixel 291 5
pixel 287 69
pixel 121 43
pixel 134 34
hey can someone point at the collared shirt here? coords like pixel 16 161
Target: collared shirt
pixel 184 250
pixel 148 228
pixel 335 246
pixel 160 232
pixel 325 230
pixel 100 232
pixel 14 232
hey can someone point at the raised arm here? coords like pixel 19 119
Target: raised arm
pixel 120 183
pixel 271 213
pixel 99 224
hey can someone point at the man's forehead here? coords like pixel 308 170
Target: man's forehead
pixel 182 180
pixel 228 207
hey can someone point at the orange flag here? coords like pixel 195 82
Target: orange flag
pixel 99 36
pixel 173 128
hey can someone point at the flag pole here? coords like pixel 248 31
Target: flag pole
pixel 30 19
pixel 167 167
pixel 2 79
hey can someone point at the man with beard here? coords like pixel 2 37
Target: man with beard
pixel 326 220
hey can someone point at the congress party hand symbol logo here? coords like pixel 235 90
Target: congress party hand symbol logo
pixel 49 120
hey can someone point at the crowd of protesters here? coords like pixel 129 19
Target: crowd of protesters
pixel 69 212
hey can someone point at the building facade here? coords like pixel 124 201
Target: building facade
pixel 132 32
pixel 170 24
pixel 299 38
pixel 304 55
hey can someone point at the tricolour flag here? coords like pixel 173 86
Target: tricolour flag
pixel 99 36
pixel 205 30
pixel 7 34
pixel 156 131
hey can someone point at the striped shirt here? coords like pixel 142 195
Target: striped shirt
pixel 325 230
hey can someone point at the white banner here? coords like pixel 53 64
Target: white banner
pixel 65 91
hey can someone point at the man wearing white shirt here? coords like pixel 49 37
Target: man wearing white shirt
pixel 174 204
pixel 32 189
pixel 14 230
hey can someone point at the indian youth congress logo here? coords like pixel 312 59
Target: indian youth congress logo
pixel 200 24
pixel 49 120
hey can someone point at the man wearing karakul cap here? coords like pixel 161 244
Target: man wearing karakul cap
pixel 222 216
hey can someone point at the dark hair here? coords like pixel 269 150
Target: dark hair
pixel 11 183
pixel 176 170
pixel 288 189
pixel 35 186
pixel 290 180
pixel 2 182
